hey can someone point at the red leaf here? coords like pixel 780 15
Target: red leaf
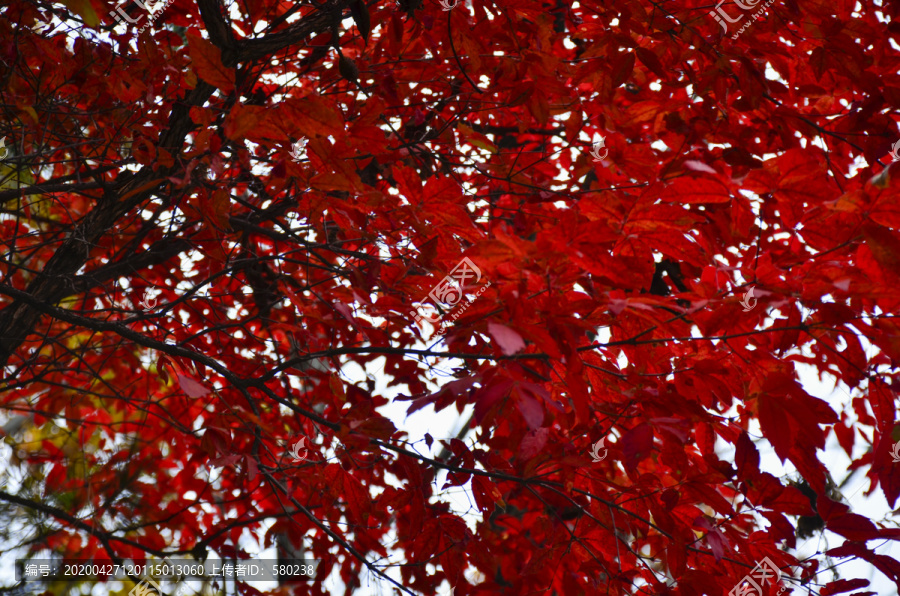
pixel 776 425
pixel 252 468
pixel 622 67
pixel 533 442
pixel 637 444
pixel 696 191
pixel 486 493
pixel 853 527
pixel 226 460
pixel 746 457
pixel 192 387
pixel 359 501
pixel 677 426
pixel 313 115
pixel 714 537
pixel 843 585
pixel 885 247
pixel 699 166
pixel 206 61
pixel 531 409
pixel 242 120
pixel 510 341
pixel 651 61
pixel 489 396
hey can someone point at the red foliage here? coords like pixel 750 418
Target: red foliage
pixel 208 227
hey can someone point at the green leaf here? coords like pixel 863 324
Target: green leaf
pixel 13 178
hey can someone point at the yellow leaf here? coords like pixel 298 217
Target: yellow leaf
pixel 13 178
pixel 30 112
pixel 497 496
pixel 84 9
